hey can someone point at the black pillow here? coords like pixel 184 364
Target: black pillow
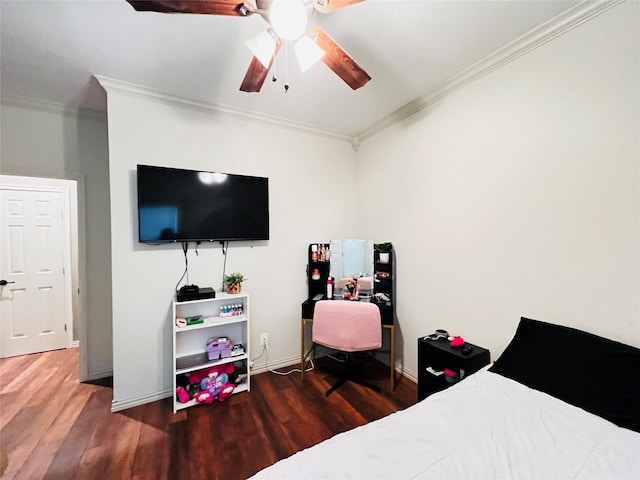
pixel 599 375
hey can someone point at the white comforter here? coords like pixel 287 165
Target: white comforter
pixel 486 427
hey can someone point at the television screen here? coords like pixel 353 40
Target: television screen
pixel 177 205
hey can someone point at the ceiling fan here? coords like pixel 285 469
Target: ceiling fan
pixel 311 44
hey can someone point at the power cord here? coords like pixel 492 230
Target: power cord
pixel 265 350
pixel 185 247
pixel 293 370
pixel 224 264
pixel 341 360
pixel 264 347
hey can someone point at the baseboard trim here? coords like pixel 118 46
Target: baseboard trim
pixel 410 374
pixel 97 375
pixel 118 405
pixel 292 364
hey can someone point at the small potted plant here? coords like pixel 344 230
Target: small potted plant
pixel 233 282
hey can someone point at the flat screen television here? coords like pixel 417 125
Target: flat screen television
pixel 177 205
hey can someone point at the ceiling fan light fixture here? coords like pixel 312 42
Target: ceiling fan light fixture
pixel 263 47
pixel 288 18
pixel 307 52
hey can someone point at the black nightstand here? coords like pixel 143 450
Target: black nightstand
pixel 437 355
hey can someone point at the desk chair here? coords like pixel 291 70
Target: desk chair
pixel 350 327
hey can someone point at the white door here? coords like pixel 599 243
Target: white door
pixel 33 306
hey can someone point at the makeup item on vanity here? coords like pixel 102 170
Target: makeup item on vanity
pixel 330 288
pixel 315 275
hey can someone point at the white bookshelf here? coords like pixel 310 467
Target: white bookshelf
pixel 190 342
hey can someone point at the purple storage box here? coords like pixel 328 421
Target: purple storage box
pixel 218 348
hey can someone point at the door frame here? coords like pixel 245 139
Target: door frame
pixel 69 191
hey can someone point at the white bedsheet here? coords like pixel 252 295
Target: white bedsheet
pixel 485 427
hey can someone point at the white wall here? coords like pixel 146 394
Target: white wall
pixel 307 202
pixel 516 196
pixel 41 143
pixel 519 194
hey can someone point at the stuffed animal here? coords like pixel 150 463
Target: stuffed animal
pixel 207 384
pixel 199 375
pixel 204 397
pixel 226 391
pixel 218 385
pixel 214 383
pixel 182 394
pixel 185 391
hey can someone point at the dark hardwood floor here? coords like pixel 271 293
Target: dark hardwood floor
pixel 53 427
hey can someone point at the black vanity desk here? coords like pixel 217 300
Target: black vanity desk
pixel 386 315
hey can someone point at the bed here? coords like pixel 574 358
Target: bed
pixel 558 403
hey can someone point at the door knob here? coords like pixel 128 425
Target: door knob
pixel 4 282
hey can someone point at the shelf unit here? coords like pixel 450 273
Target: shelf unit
pixel 384 282
pixel 190 342
pixel 318 268
pixel 436 355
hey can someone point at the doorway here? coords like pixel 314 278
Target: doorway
pixel 38 262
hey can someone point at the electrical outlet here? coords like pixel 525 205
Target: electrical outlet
pixel 264 339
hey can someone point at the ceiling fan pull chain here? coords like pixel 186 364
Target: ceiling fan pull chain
pixel 286 67
pixel 273 77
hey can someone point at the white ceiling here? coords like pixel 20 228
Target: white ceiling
pixel 51 49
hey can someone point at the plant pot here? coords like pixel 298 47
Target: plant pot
pixel 234 288
pixel 384 257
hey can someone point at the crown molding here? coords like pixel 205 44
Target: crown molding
pixel 531 40
pixel 112 85
pixel 68 110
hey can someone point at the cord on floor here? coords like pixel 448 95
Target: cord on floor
pixel 265 349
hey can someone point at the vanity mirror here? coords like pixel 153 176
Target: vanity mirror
pixel 352 259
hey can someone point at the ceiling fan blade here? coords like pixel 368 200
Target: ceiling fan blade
pixel 339 61
pixel 208 7
pixel 326 6
pixel 257 73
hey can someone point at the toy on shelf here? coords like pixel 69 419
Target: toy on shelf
pixel 197 376
pixel 204 397
pixel 214 383
pixel 207 384
pixel 226 391
pixel 182 394
pixel 185 390
pixel 218 385
pixel 238 349
pixel 218 348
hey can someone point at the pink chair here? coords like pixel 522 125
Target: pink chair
pixel 350 327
